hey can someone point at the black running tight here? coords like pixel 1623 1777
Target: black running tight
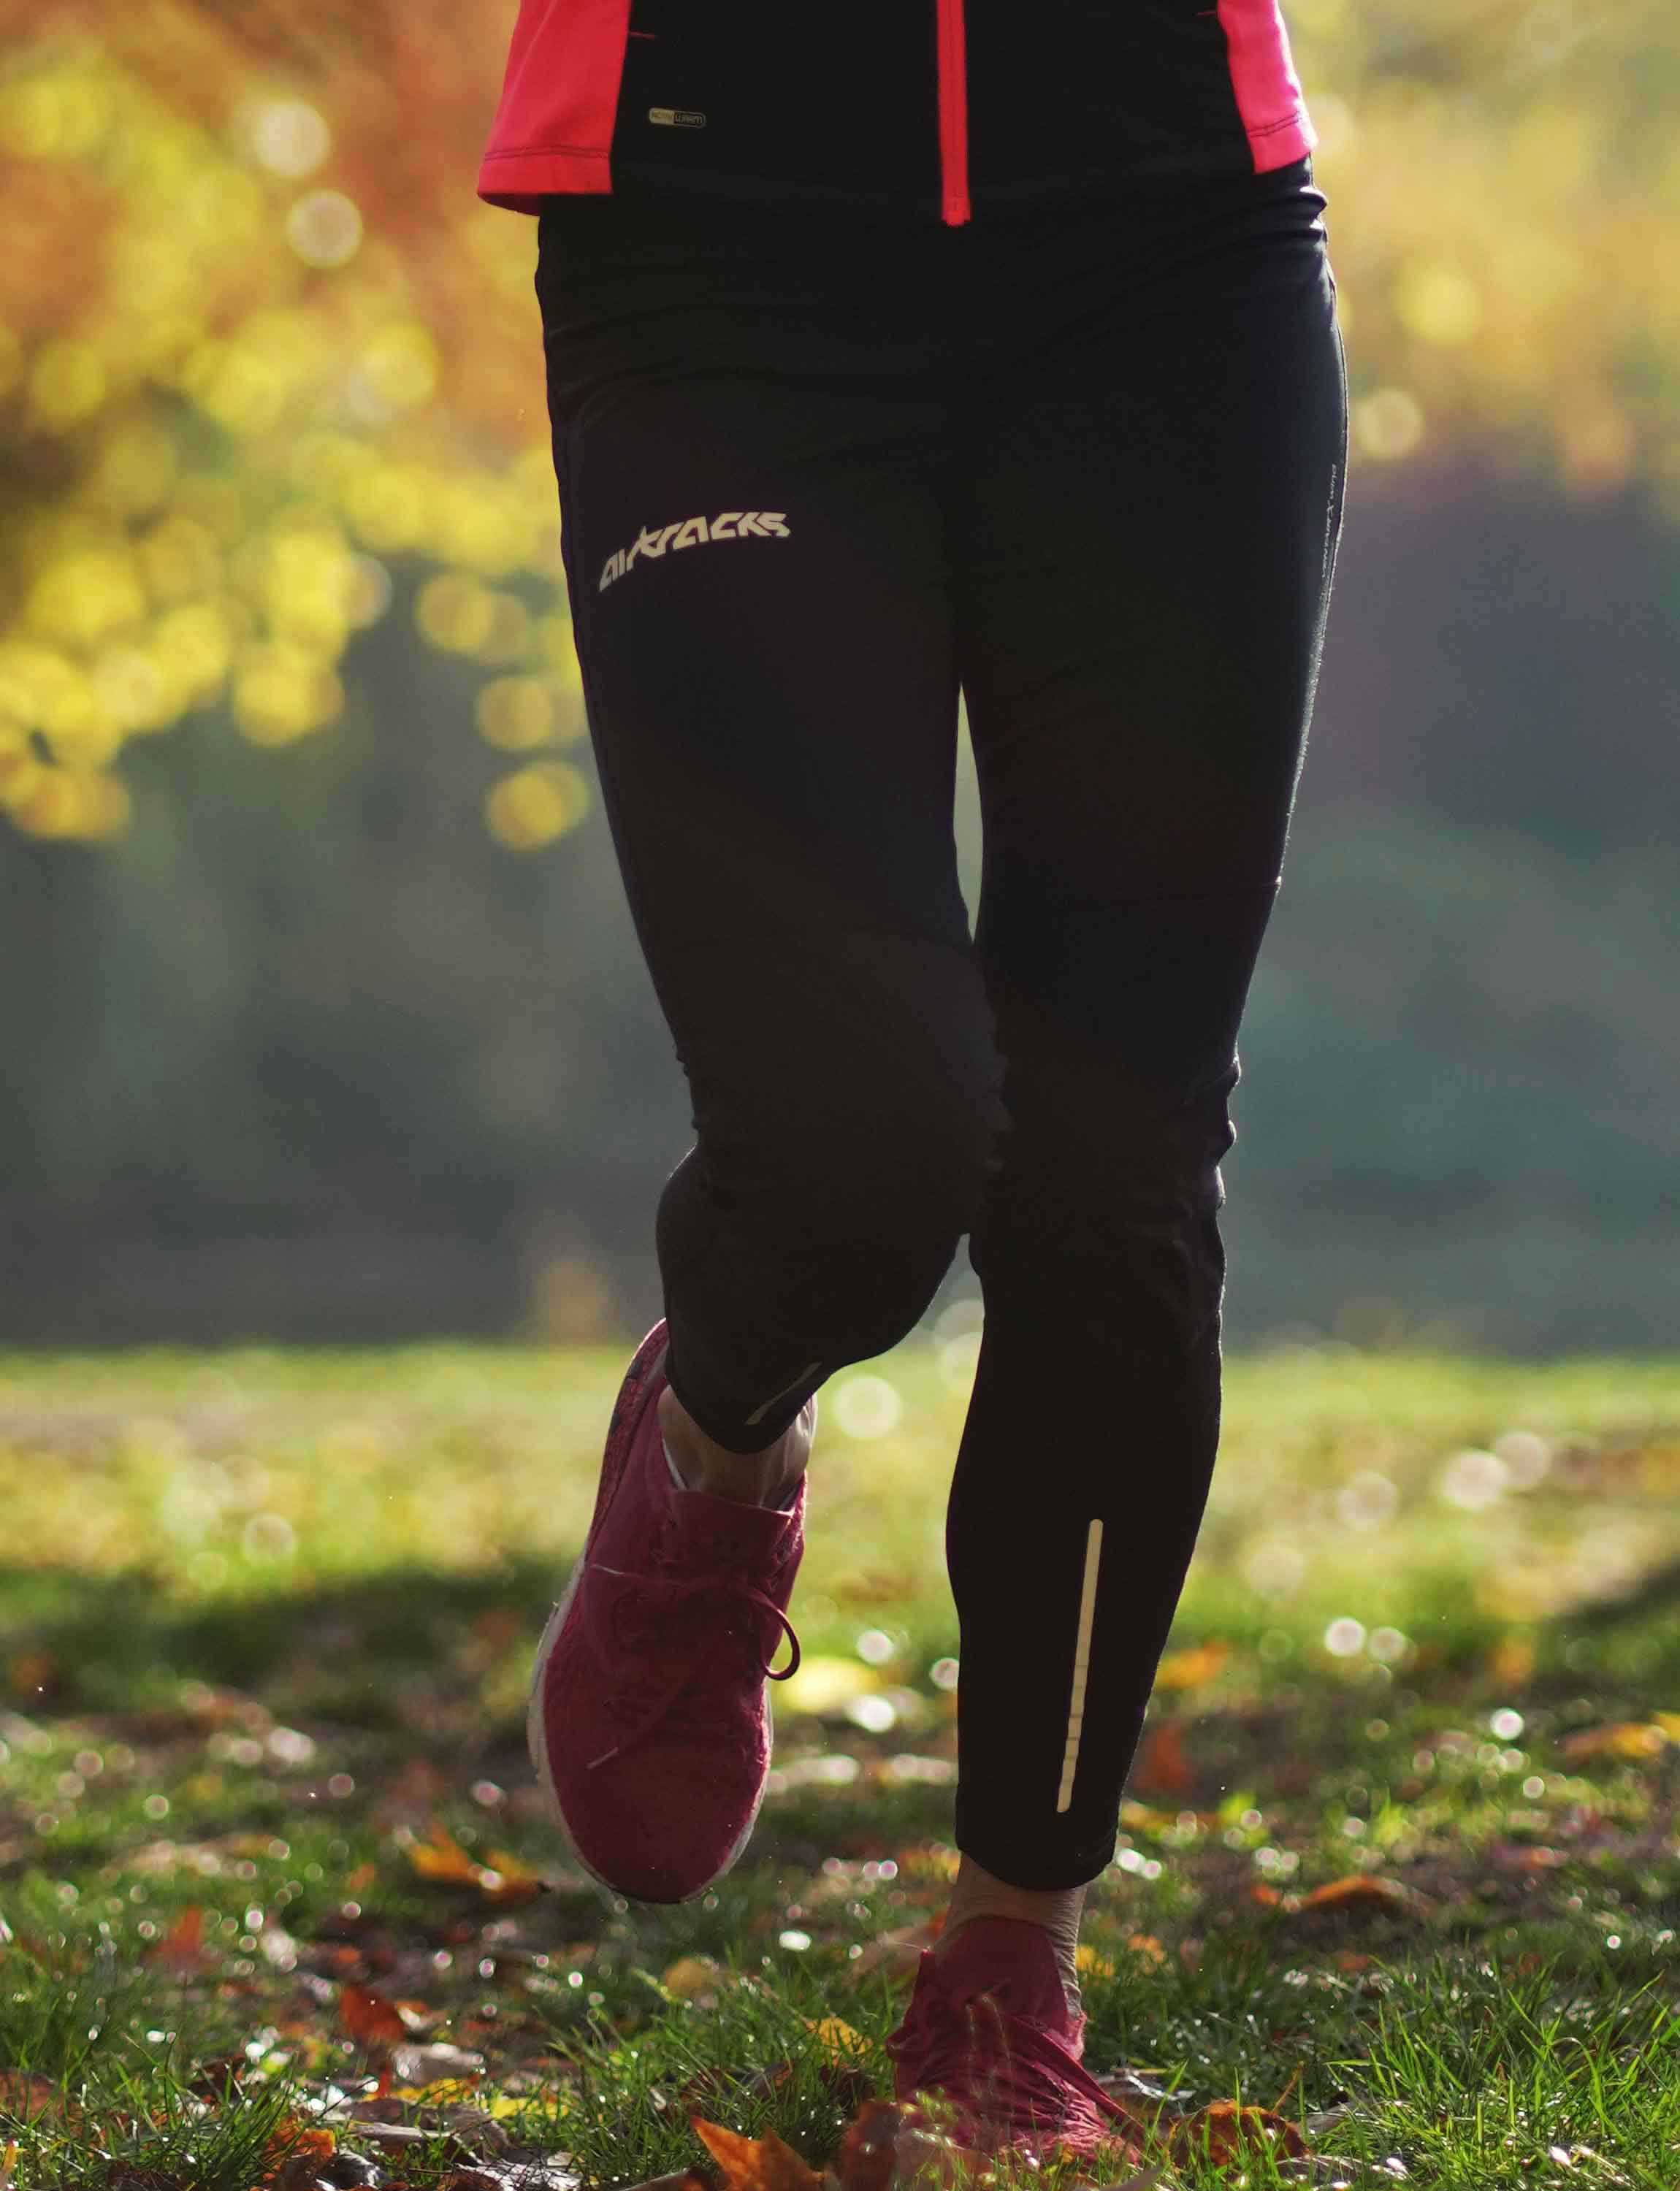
pixel 818 470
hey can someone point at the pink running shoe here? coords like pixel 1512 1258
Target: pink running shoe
pixel 648 1723
pixel 989 2039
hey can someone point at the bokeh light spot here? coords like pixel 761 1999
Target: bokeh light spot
pixel 1439 304
pixel 67 383
pixel 288 136
pixel 866 1406
pixel 324 228
pixel 1388 424
pixel 515 713
pixel 532 807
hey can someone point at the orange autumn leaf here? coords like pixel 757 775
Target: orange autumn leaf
pixel 440 1856
pixel 1225 2131
pixel 24 2095
pixel 1189 1669
pixel 1630 1738
pixel 869 2151
pixel 1511 1661
pixel 755 2164
pixel 1163 1765
pixel 505 1878
pixel 370 2018
pixel 296 2153
pixel 181 1949
pixel 1362 1889
pixel 508 1878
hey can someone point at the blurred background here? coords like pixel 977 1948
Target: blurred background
pixel 321 1013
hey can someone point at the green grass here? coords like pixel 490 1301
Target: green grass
pixel 266 1621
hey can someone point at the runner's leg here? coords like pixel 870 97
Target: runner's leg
pixel 1151 499
pixel 773 712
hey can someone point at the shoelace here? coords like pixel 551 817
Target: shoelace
pixel 1017 2075
pixel 674 1590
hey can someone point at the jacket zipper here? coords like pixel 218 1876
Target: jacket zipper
pixel 953 112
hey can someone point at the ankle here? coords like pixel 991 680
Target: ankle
pixel 763 1478
pixel 979 1893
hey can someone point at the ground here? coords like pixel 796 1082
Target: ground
pixel 1399 1863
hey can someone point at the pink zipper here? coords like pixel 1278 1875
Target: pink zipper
pixel 953 113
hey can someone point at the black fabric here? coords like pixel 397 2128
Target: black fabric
pixel 1078 94
pixel 1089 469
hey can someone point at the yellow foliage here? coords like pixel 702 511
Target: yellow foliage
pixel 517 713
pixel 260 335
pixel 282 691
pixel 532 807
pixel 62 802
pixel 67 382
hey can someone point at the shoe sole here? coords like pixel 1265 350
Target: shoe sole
pixel 647 1363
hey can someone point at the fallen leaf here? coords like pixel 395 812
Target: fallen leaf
pixel 1527 1856
pixel 690 2179
pixel 1163 1765
pixel 690 1978
pixel 1629 1739
pixel 440 1857
pixel 1223 2132
pixel 411 1797
pixel 925 2160
pixel 393 2133
pixel 1189 1670
pixel 837 2037
pixel 542 2175
pixel 1362 1890
pixel 31 1673
pixel 297 2153
pixel 24 2095
pixel 181 1949
pixel 869 2151
pixel 370 2019
pixel 1510 1661
pixel 755 2164
pixel 513 1879
pixel 438 2064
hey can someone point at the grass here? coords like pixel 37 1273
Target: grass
pixel 266 1620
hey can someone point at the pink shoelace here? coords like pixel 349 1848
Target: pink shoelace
pixel 674 1592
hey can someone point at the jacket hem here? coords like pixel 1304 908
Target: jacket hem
pixel 1278 143
pixel 520 181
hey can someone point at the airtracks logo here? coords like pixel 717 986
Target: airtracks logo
pixel 693 533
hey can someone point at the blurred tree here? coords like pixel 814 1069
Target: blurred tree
pixel 258 335
pixel 228 394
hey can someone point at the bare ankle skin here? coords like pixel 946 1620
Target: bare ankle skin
pixel 978 1893
pixel 752 1479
